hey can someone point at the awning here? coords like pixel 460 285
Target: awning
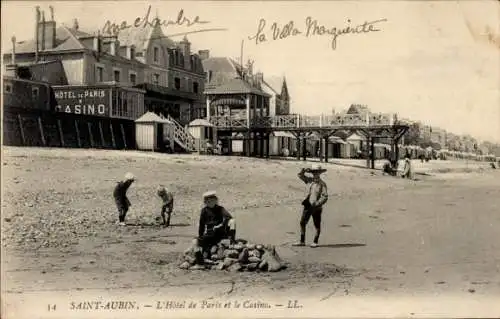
pixel 229 101
pixel 283 134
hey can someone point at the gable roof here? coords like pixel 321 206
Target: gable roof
pixel 65 40
pixel 275 83
pixel 151 117
pixel 233 86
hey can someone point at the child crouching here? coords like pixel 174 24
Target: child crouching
pixel 167 207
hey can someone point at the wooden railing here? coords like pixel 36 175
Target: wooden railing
pixel 305 121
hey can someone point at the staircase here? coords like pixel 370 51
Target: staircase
pixel 182 136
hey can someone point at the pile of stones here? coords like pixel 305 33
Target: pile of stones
pixel 240 256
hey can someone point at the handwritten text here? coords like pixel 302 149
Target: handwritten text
pixel 311 28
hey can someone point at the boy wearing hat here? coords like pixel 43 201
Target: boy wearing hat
pixel 167 204
pixel 407 171
pixel 216 223
pixel 121 199
pixel 317 196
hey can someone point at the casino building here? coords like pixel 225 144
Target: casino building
pixel 119 76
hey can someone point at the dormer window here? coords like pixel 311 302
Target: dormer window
pixel 132 53
pixel 156 55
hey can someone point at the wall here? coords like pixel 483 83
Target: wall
pixel 145 136
pixel 109 63
pixel 26 94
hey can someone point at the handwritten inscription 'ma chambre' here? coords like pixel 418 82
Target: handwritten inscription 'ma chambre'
pixel 312 28
pixel 113 28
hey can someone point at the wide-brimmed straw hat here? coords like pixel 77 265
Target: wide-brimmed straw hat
pixel 129 177
pixel 209 194
pixel 316 168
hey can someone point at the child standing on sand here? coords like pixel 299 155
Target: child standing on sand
pixel 167 207
pixel 121 199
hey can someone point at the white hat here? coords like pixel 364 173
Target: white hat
pixel 129 177
pixel 317 168
pixel 161 189
pixel 209 194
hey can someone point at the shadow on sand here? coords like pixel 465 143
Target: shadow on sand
pixel 157 225
pixel 341 245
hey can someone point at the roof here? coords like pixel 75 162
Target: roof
pixel 275 83
pixel 65 40
pixel 358 109
pixel 233 86
pixel 201 122
pixel 151 117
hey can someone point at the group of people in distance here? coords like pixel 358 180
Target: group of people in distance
pixel 391 168
pixel 216 223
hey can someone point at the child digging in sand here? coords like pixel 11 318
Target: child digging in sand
pixel 167 206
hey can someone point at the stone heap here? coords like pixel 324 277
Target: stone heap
pixel 240 256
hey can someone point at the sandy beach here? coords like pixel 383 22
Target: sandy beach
pixel 434 239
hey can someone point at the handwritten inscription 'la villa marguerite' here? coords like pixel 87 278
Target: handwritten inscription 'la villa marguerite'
pixel 112 28
pixel 312 28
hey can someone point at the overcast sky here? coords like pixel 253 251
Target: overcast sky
pixel 430 61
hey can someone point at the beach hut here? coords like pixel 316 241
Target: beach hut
pixel 154 133
pixel 205 134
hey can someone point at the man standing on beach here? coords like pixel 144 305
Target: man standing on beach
pixel 317 196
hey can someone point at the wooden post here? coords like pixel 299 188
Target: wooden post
pixel 112 134
pixel 61 135
pixel 326 149
pixel 321 148
pixel 372 148
pixel 21 129
pixel 42 135
pixel 230 146
pixel 397 149
pixel 262 146
pixel 102 134
pixel 267 145
pixel 89 126
pixel 304 147
pixel 124 137
pixel 78 138
pixel 298 145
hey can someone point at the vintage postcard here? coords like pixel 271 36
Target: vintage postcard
pixel 250 159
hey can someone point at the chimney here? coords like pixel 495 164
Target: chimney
pixel 186 51
pixel 97 42
pixel 13 58
pixel 47 32
pixel 114 46
pixel 259 76
pixel 250 67
pixel 75 24
pixel 204 54
pixel 37 44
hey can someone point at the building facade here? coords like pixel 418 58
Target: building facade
pixel 169 73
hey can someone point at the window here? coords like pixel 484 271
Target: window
pixel 156 57
pixel 195 87
pixel 99 74
pixel 7 88
pixel 177 83
pixel 208 76
pixel 133 78
pixel 116 75
pixel 132 53
pixel 156 79
pixel 35 92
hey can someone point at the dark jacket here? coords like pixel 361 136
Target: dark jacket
pixel 211 217
pixel 120 192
